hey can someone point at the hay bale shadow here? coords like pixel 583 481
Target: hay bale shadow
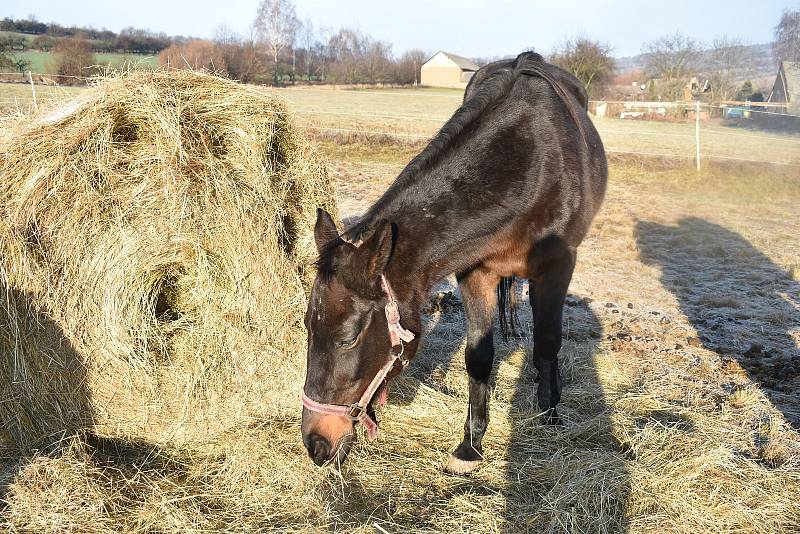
pixel 44 397
pixel 743 306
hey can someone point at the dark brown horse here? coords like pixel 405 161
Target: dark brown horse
pixel 507 188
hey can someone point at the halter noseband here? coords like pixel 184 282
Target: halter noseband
pixel 357 412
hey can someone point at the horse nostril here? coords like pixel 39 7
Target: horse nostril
pixel 318 448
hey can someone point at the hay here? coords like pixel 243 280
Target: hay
pixel 158 231
pixel 182 439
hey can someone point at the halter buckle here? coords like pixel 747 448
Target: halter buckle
pixel 355 411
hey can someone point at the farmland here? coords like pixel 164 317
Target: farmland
pixel 680 360
pixel 42 61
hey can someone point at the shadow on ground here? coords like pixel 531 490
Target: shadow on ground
pixel 743 306
pixel 573 477
pixel 46 414
pixel 569 478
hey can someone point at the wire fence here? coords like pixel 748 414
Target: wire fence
pixel 680 130
pixel 682 140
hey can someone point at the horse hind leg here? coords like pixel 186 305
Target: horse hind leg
pixel 551 264
pixel 478 292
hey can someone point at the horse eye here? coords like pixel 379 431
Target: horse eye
pixel 349 344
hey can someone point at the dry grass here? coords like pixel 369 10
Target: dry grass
pixel 411 116
pixel 670 425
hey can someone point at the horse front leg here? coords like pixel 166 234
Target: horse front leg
pixel 479 296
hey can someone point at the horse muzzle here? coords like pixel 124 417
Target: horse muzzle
pixel 327 438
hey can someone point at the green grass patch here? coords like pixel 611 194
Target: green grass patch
pixel 45 62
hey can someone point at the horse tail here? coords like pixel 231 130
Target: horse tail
pixel 507 306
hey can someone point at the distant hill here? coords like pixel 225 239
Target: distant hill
pixel 762 64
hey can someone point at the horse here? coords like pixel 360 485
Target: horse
pixel 506 189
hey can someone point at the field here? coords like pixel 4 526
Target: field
pixel 410 116
pixel 414 115
pixel 681 362
pixel 18 95
pixel 41 62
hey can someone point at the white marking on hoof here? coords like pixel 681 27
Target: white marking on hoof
pixel 457 466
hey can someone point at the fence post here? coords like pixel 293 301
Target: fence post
pixel 697 133
pixel 33 90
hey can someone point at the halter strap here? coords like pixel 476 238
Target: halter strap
pixel 357 412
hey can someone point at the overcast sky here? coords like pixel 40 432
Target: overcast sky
pixel 468 28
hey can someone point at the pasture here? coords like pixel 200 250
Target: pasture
pixel 680 360
pixel 42 62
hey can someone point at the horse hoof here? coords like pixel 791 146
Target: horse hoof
pixel 457 466
pixel 551 418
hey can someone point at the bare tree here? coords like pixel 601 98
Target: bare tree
pixel 276 26
pixel 347 50
pixel 322 48
pixel 307 41
pixel 729 60
pixel 787 36
pixel 671 57
pixel 224 35
pixel 377 59
pixel 74 59
pixel 408 66
pixel 589 61
pixel 242 61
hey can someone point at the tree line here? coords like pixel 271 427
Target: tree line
pixel 48 35
pixel 280 48
pixel 671 61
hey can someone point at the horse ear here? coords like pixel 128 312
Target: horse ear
pixel 375 252
pixel 325 229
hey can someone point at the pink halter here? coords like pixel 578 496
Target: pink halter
pixel 358 411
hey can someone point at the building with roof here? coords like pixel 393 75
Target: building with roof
pixel 787 87
pixel 447 70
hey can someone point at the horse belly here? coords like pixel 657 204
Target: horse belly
pixel 511 260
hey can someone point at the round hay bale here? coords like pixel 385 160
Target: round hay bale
pixel 159 228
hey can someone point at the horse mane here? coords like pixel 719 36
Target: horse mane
pixel 486 88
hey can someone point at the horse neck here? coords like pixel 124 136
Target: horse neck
pixel 419 261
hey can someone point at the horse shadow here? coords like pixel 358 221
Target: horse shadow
pixel 743 306
pixel 572 477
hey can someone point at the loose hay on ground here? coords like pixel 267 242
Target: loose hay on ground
pixel 655 440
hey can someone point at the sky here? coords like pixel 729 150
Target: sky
pixel 468 28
